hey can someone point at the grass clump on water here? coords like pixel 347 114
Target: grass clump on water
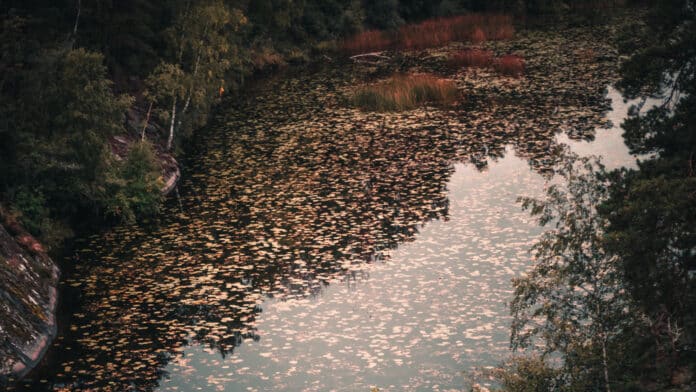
pixel 405 92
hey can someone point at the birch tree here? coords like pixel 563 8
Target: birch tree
pixel 573 303
pixel 203 41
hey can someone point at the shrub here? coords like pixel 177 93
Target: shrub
pixel 522 374
pixel 510 65
pixel 136 185
pixel 266 58
pixel 405 92
pixel 472 58
pixel 30 207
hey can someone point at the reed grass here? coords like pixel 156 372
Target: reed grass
pixel 405 92
pixel 433 33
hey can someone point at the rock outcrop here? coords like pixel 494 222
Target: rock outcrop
pixel 28 300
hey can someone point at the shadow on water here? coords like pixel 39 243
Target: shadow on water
pixel 286 192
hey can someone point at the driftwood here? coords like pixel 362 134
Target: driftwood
pixel 369 58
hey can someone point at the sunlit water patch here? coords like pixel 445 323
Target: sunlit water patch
pixel 435 309
pixel 430 311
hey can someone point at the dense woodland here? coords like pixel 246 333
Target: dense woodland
pixel 613 293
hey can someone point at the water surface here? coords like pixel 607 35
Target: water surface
pixel 317 247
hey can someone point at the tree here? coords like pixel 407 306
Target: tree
pixel 203 53
pixel 135 185
pixel 573 303
pixel 165 87
pixel 383 14
pixel 66 114
pixel 651 210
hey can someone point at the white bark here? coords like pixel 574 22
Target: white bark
pixel 147 121
pixel 171 126
pixel 603 336
pixel 77 18
pixel 188 98
pixel 604 362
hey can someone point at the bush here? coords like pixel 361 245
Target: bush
pixel 136 185
pixel 30 208
pixel 510 65
pixel 472 58
pixel 405 92
pixel 527 374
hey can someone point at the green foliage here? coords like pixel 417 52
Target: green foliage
pixel 383 14
pixel 203 51
pixel 613 288
pixel 31 205
pixel 135 185
pixel 528 374
pixel 68 113
pixel 573 303
pixel 163 86
pixel 651 210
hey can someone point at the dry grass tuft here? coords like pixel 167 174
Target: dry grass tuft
pixel 405 92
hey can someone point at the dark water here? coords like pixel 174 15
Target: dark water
pixel 322 248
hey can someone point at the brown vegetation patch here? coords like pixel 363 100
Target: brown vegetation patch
pixel 405 92
pixel 434 33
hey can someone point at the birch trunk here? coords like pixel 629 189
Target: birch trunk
pixel 605 364
pixel 77 18
pixel 188 98
pixel 171 126
pixel 147 121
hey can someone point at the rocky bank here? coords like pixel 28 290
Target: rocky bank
pixel 28 299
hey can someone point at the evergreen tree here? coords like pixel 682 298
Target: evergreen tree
pixel 652 209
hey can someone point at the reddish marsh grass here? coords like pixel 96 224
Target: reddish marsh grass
pixel 367 41
pixel 478 36
pixel 510 65
pixel 405 92
pixel 472 58
pixel 434 33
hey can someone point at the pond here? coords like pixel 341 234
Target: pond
pixel 317 247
